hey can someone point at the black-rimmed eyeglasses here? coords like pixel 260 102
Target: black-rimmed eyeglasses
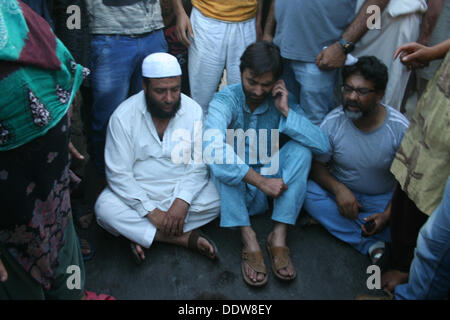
pixel 359 91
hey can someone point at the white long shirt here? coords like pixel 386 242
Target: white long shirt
pixel 139 168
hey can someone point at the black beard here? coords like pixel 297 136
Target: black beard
pixel 249 97
pixel 154 108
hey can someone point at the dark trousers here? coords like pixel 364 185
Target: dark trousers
pixel 406 221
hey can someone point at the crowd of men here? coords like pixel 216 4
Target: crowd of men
pixel 311 121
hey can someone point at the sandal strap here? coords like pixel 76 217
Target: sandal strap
pixel 255 260
pixel 193 240
pixel 280 257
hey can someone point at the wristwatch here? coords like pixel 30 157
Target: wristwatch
pixel 346 45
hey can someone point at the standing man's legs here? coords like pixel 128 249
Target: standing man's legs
pixel 207 55
pixel 314 88
pixel 429 275
pixel 216 45
pixel 406 221
pixel 240 36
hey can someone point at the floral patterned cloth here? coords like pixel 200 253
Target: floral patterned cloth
pixel 38 76
pixel 38 80
pixel 34 192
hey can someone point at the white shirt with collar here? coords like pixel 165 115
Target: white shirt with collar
pixel 139 166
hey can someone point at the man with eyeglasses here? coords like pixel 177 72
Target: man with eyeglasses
pixel 351 187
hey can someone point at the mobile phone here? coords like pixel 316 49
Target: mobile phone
pixel 369 225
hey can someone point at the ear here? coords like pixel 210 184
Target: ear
pixel 144 86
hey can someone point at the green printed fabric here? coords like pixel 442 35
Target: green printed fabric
pixel 38 76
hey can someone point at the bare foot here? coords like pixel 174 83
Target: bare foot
pixel 392 278
pixel 139 252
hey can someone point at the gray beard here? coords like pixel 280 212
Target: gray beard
pixel 353 115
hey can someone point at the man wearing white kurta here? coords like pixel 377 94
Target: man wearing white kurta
pixel 149 196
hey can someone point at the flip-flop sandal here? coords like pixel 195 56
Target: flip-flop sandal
pixel 254 260
pixel 93 296
pixel 192 244
pixel 136 256
pixel 283 259
pixel 87 257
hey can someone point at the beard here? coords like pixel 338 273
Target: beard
pixel 356 115
pixel 156 108
pixel 250 97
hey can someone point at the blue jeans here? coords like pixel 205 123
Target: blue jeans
pixel 312 87
pixel 321 205
pixel 116 74
pixel 239 202
pixel 429 275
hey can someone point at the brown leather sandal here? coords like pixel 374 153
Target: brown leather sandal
pixel 193 245
pixel 282 256
pixel 256 261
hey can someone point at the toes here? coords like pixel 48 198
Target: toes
pixel 206 247
pixel 140 251
pixel 260 277
pixel 250 272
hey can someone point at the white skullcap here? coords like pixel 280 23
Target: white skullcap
pixel 160 65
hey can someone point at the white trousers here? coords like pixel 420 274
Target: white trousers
pixel 118 218
pixel 382 44
pixel 216 45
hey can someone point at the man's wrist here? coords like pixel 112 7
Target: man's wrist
pixel 347 46
pixel 177 7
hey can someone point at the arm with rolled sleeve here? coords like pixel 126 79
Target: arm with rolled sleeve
pixel 119 160
pixel 220 116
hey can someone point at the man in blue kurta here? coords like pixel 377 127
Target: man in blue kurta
pixel 255 111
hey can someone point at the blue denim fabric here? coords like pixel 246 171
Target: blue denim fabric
pixel 429 275
pixel 116 74
pixel 239 202
pixel 312 87
pixel 321 205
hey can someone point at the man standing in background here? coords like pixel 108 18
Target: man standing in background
pixel 217 34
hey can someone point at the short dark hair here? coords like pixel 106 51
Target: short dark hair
pixel 261 57
pixel 371 68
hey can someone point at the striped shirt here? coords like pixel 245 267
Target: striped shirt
pixel 362 160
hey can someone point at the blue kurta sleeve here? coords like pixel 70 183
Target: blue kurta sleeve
pixel 302 130
pixel 221 158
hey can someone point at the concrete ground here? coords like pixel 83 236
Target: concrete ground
pixel 327 268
